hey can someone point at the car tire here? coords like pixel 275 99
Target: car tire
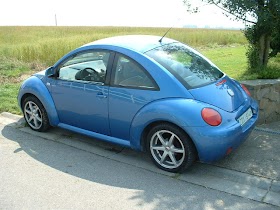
pixel 170 148
pixel 35 114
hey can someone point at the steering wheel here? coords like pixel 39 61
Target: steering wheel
pixel 89 74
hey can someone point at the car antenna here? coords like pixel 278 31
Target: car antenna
pixel 168 31
pixel 165 34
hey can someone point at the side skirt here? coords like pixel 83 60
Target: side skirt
pixel 95 135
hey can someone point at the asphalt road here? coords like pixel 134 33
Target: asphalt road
pixel 63 170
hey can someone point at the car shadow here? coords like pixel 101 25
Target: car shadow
pixel 258 155
pixel 126 171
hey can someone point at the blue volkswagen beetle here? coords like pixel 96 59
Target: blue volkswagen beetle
pixel 144 92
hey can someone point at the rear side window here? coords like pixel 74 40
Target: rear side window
pixel 130 74
pixel 187 65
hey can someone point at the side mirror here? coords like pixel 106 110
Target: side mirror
pixel 51 72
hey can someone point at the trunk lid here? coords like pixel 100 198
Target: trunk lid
pixel 225 94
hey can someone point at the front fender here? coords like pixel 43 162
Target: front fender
pixel 33 85
pixel 185 113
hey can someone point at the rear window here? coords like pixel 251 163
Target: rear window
pixel 188 66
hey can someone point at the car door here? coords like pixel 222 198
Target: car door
pixel 80 93
pixel 131 88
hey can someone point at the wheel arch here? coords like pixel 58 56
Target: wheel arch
pixel 33 86
pixel 167 111
pixel 24 97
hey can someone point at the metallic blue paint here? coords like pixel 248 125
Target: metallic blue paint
pixel 225 100
pixel 120 115
pixel 138 43
pixel 212 142
pixel 95 135
pixel 178 111
pixel 89 112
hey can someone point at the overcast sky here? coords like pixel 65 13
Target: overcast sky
pixel 151 13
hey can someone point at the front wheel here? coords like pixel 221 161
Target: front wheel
pixel 35 114
pixel 170 148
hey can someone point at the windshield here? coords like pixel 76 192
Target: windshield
pixel 187 65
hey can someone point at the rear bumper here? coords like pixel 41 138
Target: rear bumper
pixel 212 143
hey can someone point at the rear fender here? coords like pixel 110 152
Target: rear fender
pixel 36 87
pixel 185 113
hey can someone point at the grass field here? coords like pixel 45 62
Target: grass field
pixel 47 44
pixel 24 50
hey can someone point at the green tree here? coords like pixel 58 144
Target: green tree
pixel 263 26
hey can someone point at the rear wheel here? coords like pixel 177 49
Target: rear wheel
pixel 170 148
pixel 35 114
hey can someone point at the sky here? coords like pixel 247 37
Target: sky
pixel 146 13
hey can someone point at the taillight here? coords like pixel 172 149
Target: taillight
pixel 211 116
pixel 246 90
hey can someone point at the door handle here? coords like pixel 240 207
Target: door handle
pixel 101 95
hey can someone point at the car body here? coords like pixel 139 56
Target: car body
pixel 146 93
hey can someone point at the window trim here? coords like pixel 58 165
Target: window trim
pixel 114 69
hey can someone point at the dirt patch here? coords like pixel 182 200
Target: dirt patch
pixel 6 79
pixel 34 67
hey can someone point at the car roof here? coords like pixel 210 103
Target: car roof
pixel 140 43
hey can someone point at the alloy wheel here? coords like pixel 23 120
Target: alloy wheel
pixel 33 115
pixel 167 149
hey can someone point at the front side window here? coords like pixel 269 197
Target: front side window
pixel 86 66
pixel 130 74
pixel 188 66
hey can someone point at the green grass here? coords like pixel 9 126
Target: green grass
pixel 8 98
pixel 12 72
pixel 273 69
pixel 231 59
pixel 10 68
